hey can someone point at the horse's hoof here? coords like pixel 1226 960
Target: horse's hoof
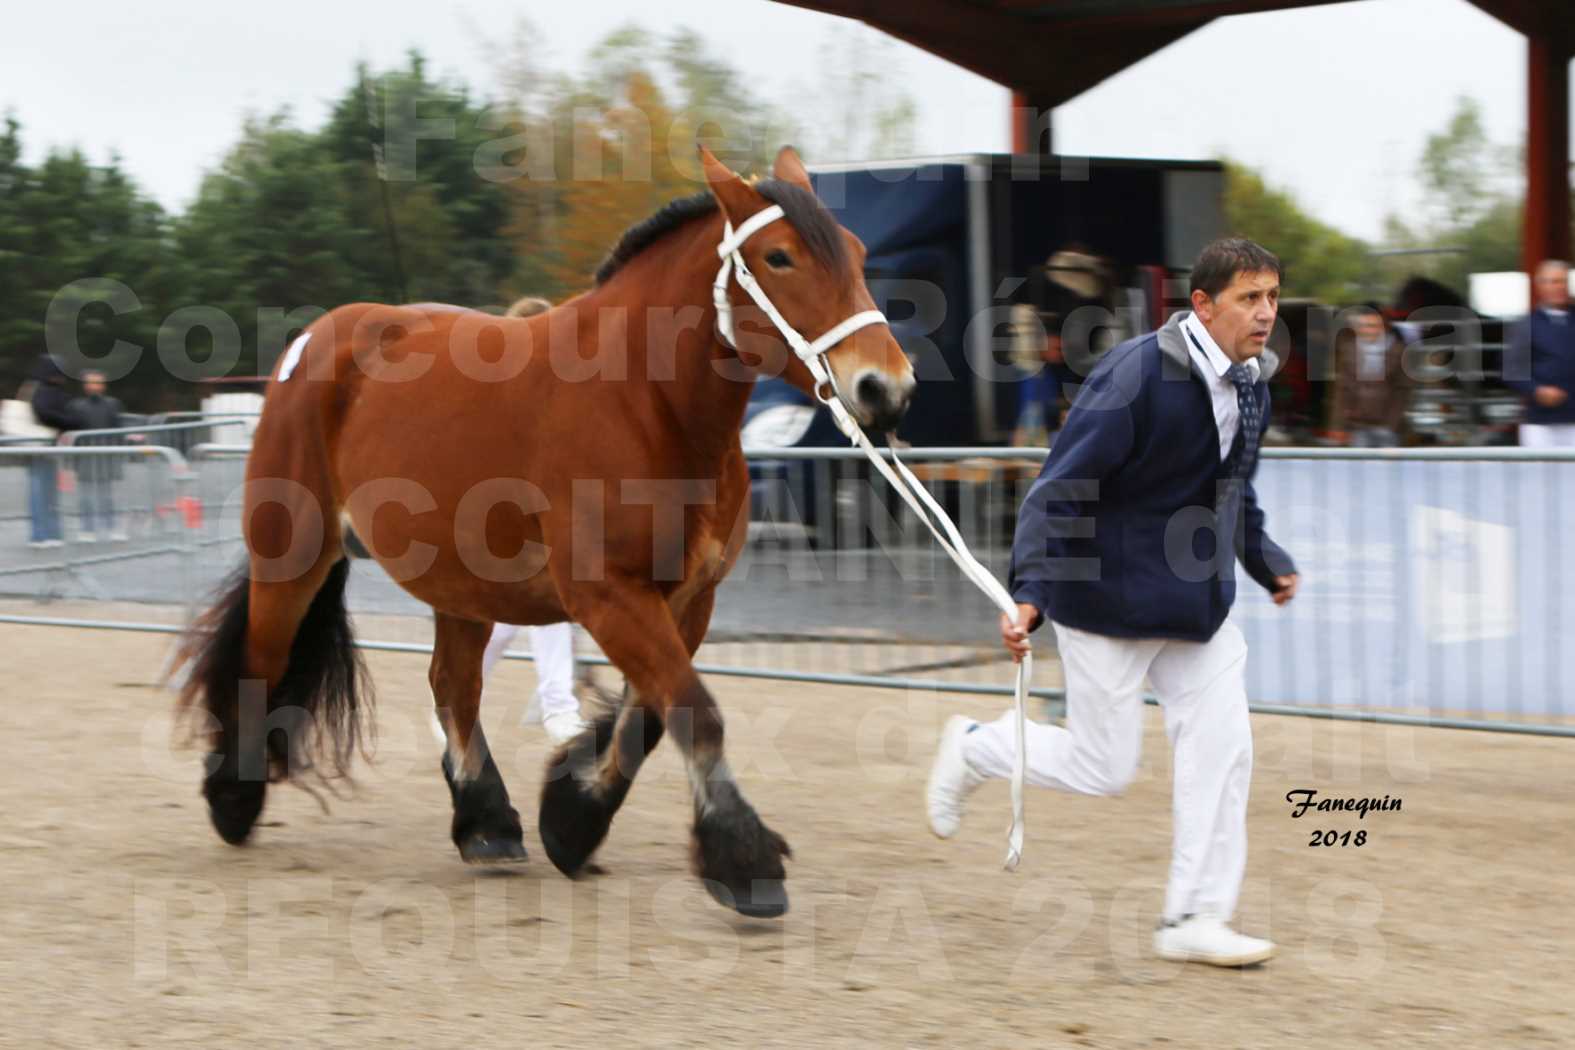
pixel 762 899
pixel 233 806
pixel 572 825
pixel 573 818
pixel 740 859
pixel 485 829
pixel 482 848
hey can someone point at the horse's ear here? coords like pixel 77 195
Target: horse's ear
pixel 789 167
pixel 738 201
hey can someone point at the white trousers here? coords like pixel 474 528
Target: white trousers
pixel 553 647
pixel 1202 689
pixel 1547 435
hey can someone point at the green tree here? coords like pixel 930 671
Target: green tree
pixel 752 129
pixel 384 203
pixel 17 341
pixel 407 151
pixel 602 150
pixel 269 236
pixel 1460 169
pixel 80 244
pixel 412 188
pixel 1320 262
pixel 1472 211
pixel 859 108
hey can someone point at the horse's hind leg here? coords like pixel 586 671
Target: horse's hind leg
pixel 486 827
pixel 737 856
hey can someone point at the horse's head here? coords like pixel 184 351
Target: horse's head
pixel 811 269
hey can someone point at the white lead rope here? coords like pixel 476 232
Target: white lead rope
pixel 918 497
pixel 901 479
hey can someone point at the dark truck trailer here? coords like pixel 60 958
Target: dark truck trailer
pixel 955 242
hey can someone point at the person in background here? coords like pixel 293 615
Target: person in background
pixel 1371 389
pixel 50 397
pixel 1040 395
pixel 1539 363
pixel 97 475
pixel 1058 337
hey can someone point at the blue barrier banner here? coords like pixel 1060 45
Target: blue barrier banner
pixel 1438 586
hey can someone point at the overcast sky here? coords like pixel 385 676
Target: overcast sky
pixel 1331 102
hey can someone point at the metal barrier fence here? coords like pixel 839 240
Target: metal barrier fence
pixel 1431 579
pixel 90 511
pixel 180 434
pixel 95 522
pixel 1435 580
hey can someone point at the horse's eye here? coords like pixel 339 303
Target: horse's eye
pixel 779 260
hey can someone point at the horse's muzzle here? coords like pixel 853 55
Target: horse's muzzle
pixel 881 400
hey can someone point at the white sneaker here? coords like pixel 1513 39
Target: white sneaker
pixel 952 779
pixel 86 537
pixel 38 545
pixel 563 726
pixel 52 543
pixel 119 536
pixel 1206 939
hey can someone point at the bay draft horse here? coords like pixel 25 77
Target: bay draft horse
pixel 433 436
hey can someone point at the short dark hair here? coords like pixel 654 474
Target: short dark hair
pixel 1220 261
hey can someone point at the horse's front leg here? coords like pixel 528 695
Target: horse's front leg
pixel 737 856
pixel 486 827
pixel 589 777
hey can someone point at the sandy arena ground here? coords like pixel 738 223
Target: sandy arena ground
pixel 126 922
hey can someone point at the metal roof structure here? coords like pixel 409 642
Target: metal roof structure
pixel 1050 51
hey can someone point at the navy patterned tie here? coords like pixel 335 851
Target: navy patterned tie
pixel 1244 450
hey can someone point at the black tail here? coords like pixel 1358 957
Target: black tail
pixel 326 683
pixel 318 713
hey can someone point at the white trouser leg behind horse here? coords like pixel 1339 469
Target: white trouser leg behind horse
pixel 497 645
pixel 1201 686
pixel 553 645
pixel 554 704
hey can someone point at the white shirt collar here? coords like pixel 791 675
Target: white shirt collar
pixel 1211 352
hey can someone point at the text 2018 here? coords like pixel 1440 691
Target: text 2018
pixel 1338 838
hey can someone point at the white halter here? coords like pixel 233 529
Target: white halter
pixel 808 352
pixel 902 479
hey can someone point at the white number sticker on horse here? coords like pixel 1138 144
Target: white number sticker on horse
pixel 292 356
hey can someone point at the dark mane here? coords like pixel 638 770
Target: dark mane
pixel 640 236
pixel 803 209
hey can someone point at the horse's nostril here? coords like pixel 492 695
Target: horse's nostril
pixel 871 392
